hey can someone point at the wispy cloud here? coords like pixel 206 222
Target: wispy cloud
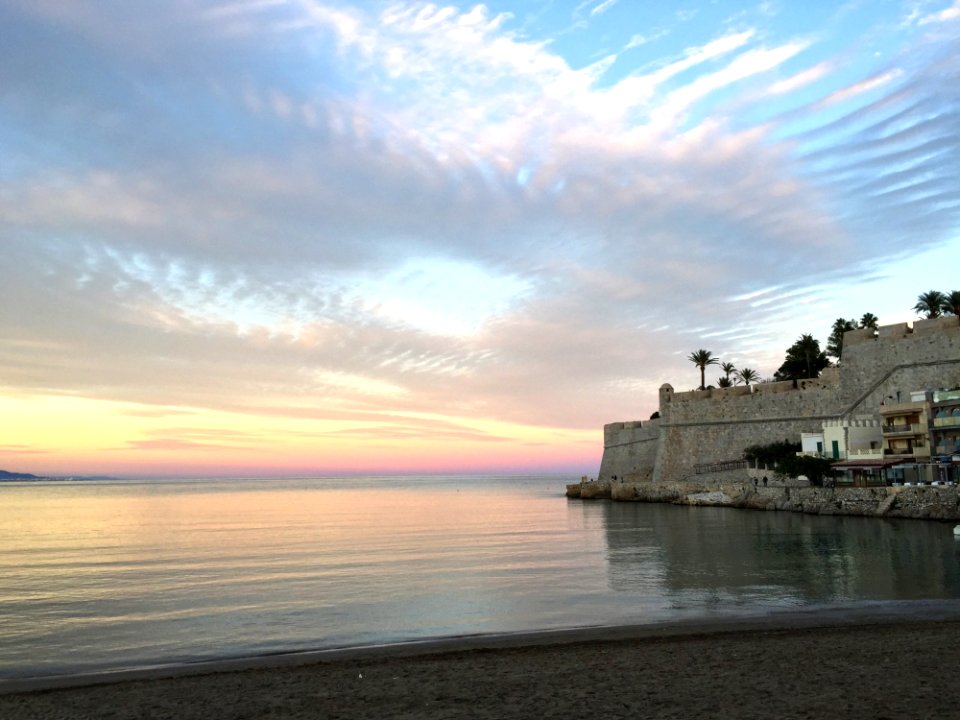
pixel 602 7
pixel 945 15
pixel 860 88
pixel 800 79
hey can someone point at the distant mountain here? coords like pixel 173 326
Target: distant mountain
pixel 5 475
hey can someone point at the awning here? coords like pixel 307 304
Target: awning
pixel 863 464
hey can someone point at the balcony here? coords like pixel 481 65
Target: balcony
pixel 946 421
pixel 865 454
pixel 944 395
pixel 907 452
pixel 912 429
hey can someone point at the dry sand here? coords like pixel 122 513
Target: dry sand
pixel 858 665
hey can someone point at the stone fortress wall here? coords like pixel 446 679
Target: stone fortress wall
pixel 714 426
pixel 630 449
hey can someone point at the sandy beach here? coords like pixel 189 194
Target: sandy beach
pixel 850 665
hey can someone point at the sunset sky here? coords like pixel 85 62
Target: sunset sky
pixel 296 237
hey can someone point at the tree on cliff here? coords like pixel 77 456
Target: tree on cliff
pixel 782 457
pixel 728 369
pixel 869 320
pixel 702 358
pixel 930 304
pixel 835 341
pixel 804 360
pixel 747 376
pixel 951 303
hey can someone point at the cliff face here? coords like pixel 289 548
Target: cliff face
pixel 714 426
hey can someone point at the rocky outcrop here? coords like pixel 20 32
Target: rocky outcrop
pixel 589 490
pixel 920 502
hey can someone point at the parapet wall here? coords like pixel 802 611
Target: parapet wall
pixel 697 433
pixel 713 426
pixel 898 359
pixel 629 449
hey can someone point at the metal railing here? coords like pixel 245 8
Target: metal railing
pixel 700 469
pixel 895 429
pixel 941 395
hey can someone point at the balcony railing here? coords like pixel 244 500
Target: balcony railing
pixel 916 451
pixel 946 421
pixel 865 453
pixel 902 429
pixel 942 395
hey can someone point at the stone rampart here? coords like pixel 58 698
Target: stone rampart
pixel 697 433
pixel 897 360
pixel 715 425
pixel 629 449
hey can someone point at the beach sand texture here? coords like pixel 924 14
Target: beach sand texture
pixel 900 668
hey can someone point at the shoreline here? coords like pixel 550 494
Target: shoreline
pixel 732 489
pixel 875 662
pixel 880 616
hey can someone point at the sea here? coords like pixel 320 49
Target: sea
pixel 109 575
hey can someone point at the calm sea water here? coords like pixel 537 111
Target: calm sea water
pixel 107 575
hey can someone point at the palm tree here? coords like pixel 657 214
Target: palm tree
pixel 747 375
pixel 702 358
pixel 728 369
pixel 930 304
pixel 724 382
pixel 835 341
pixel 951 303
pixel 869 320
pixel 808 348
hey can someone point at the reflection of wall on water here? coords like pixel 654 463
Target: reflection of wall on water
pixel 745 555
pixel 906 559
pixel 635 552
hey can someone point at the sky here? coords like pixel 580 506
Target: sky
pixel 303 237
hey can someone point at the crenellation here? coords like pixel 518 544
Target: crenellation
pixel 936 325
pixel 772 388
pixel 856 337
pixel 886 332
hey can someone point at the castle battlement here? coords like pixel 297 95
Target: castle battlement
pixel 830 377
pixel 900 331
pixel 708 426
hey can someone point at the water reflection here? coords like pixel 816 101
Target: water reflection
pixel 722 554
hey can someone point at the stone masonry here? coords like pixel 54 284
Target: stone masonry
pixel 715 426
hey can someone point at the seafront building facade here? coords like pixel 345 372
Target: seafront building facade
pixel 912 442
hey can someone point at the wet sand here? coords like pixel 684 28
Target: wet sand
pixel 862 664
